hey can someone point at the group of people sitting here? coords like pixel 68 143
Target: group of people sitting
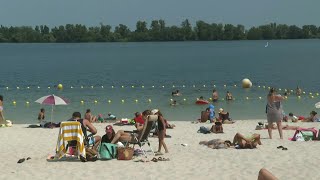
pixel 209 114
pixel 122 136
pixel 312 117
pixel 88 115
pixel 100 117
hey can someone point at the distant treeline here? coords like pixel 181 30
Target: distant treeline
pixel 157 31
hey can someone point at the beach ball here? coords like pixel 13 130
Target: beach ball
pixel 60 86
pixel 246 83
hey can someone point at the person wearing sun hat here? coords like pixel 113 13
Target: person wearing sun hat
pixel 224 117
pixel 107 138
pixel 161 130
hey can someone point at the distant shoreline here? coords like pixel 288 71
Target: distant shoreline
pixel 156 31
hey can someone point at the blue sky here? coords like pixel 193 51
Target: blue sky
pixel 128 12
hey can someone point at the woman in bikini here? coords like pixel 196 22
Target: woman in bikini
pixel 161 130
pixel 249 142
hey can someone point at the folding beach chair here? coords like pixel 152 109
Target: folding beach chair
pixel 70 131
pixel 142 137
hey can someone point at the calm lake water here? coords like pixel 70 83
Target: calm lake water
pixel 152 71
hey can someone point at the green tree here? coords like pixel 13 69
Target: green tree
pixel 239 32
pixel 228 32
pixel 122 32
pixel 187 30
pixel 203 31
pixel 254 34
pixel 294 32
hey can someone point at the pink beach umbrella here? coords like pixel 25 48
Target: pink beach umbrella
pixel 52 100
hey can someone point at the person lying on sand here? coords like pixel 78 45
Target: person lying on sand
pixel 216 144
pixel 274 126
pixel 239 142
pixel 312 118
pixel 249 142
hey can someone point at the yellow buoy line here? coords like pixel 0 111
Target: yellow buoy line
pixel 225 86
pixel 149 100
pixel 61 87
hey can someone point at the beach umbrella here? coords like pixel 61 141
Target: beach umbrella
pixel 317 105
pixel 53 101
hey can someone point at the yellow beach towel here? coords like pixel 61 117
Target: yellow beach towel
pixel 70 131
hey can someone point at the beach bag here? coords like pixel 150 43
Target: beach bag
pixel 108 151
pixel 203 130
pixel 125 153
pixel 299 137
pixel 305 134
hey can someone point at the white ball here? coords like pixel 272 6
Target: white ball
pixel 246 83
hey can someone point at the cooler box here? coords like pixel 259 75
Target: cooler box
pixel 124 121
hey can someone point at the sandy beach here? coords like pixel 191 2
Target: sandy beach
pixel 192 161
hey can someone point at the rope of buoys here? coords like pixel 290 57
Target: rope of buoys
pixel 60 86
pixel 96 101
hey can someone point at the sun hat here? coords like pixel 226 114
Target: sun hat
pixel 154 111
pixel 220 110
pixel 109 129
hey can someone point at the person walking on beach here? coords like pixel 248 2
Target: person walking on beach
pixel 161 130
pixel 274 111
pixel 2 119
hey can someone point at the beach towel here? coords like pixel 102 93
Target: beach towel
pixel 69 131
pixel 304 134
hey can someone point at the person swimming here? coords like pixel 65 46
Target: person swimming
pixel 176 93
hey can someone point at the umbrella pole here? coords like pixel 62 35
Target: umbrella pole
pixel 51 112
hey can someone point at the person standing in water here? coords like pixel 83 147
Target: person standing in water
pixel 215 95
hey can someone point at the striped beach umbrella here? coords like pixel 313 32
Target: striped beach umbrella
pixel 53 101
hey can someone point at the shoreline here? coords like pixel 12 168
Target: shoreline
pixel 186 162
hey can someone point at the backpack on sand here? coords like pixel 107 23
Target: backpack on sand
pixel 204 130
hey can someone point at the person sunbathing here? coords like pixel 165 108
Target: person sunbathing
pixel 123 136
pixel 216 144
pixel 274 126
pixel 250 142
pixel 312 118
